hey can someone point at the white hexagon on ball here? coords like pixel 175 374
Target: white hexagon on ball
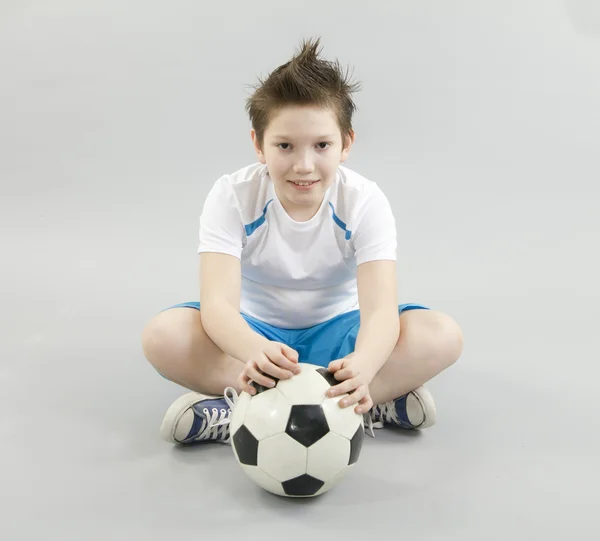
pixel 342 421
pixel 239 413
pixel 328 457
pixel 263 480
pixel 267 414
pixel 308 387
pixel 282 457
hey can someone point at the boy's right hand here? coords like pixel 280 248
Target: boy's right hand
pixel 273 359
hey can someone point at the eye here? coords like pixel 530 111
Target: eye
pixel 321 143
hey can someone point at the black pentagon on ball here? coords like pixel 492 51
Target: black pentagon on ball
pixel 307 424
pixel 246 446
pixel 305 485
pixel 356 445
pixel 261 388
pixel 328 376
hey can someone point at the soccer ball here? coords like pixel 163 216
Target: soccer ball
pixel 293 440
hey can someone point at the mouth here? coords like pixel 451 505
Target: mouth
pixel 303 185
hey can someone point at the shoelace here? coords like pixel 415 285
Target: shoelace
pixel 369 418
pixel 386 413
pixel 217 422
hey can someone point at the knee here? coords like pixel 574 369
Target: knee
pixel 154 337
pixel 449 340
pixel 162 342
pixel 437 337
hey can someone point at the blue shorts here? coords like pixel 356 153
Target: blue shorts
pixel 320 344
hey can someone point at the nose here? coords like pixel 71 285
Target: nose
pixel 304 165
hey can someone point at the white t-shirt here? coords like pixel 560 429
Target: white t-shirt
pixel 297 274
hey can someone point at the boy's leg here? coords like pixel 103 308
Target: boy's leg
pixel 429 342
pixel 177 346
pixel 175 343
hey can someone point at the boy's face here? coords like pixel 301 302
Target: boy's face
pixel 302 143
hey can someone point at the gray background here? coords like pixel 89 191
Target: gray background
pixel 480 120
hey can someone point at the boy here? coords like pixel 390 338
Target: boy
pixel 298 264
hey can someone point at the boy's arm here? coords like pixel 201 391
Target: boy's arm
pixel 230 331
pixel 220 286
pixel 379 321
pixel 375 244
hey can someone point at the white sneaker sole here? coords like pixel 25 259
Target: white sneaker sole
pixel 427 405
pixel 170 422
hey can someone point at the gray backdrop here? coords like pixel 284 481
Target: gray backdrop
pixel 480 120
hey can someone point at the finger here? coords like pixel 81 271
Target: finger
pixel 271 361
pixel 245 383
pixel 345 373
pixel 267 366
pixel 345 387
pixel 334 366
pixel 286 364
pixel 249 388
pixel 364 405
pixel 290 353
pixel 296 369
pixel 259 377
pixel 354 397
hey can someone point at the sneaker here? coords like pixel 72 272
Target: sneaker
pixel 413 411
pixel 196 417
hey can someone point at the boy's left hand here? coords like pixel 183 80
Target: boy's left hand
pixel 354 375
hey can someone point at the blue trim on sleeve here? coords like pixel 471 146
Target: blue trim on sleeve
pixel 251 228
pixel 340 223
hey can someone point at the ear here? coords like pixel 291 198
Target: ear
pixel 348 142
pixel 257 149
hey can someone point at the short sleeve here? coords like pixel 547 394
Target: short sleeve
pixel 375 229
pixel 221 228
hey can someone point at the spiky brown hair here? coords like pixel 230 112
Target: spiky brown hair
pixel 304 80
